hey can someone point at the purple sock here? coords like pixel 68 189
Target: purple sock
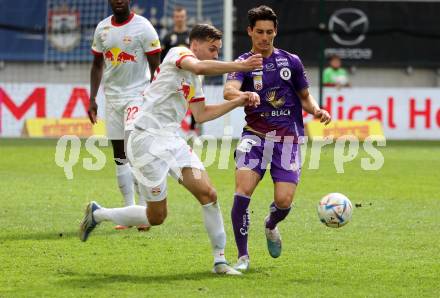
pixel 240 222
pixel 276 215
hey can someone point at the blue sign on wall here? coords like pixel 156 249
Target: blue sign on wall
pixel 55 30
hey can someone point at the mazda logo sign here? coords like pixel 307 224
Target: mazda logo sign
pixel 348 26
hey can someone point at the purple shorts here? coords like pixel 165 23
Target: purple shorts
pixel 256 153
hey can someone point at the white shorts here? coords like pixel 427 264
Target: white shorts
pixel 120 115
pixel 153 157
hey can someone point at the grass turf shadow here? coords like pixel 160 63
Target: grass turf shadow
pixel 93 280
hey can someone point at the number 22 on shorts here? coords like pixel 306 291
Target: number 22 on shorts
pixel 131 112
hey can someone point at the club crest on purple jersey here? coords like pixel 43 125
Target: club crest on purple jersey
pixel 271 97
pixel 285 73
pixel 258 80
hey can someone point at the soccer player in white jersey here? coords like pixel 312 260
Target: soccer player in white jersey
pixel 124 45
pixel 155 148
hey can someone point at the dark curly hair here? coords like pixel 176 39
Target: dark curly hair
pixel 262 13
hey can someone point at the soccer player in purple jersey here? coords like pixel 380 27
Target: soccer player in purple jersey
pixel 273 130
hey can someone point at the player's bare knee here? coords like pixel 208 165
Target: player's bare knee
pixel 244 188
pixel 208 196
pixel 284 201
pixel 157 218
pixel 244 191
pixel 211 195
pixel 157 221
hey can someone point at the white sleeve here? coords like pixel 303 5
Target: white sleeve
pixel 150 39
pixel 198 95
pixel 97 47
pixel 177 54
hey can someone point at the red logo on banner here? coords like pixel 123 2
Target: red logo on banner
pixel 37 98
pixel 77 95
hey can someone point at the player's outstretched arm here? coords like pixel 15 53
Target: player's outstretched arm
pixel 310 105
pixel 214 67
pixel 95 80
pixel 232 90
pixel 203 113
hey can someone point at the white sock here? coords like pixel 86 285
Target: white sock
pixel 125 183
pixel 142 201
pixel 216 231
pixel 126 216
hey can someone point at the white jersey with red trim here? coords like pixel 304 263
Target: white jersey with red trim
pixel 168 96
pixel 124 47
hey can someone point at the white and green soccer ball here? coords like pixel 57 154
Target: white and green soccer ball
pixel 335 210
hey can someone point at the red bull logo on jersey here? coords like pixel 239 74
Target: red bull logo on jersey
pixel 116 56
pixel 187 90
pixel 155 191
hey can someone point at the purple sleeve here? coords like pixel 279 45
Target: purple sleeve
pixel 299 77
pixel 235 76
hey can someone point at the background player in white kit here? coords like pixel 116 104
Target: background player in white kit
pixel 124 45
pixel 155 148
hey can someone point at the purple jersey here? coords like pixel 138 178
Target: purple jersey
pixel 277 84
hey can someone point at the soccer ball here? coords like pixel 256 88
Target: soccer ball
pixel 334 210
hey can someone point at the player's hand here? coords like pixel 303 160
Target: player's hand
pixel 248 99
pixel 253 99
pixel 93 112
pixel 253 62
pixel 323 116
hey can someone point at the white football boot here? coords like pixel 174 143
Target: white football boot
pixel 224 268
pixel 242 263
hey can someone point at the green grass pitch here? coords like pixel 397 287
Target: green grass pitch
pixel 390 249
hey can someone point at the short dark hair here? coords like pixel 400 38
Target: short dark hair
pixel 262 13
pixel 333 56
pixel 179 8
pixel 205 32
